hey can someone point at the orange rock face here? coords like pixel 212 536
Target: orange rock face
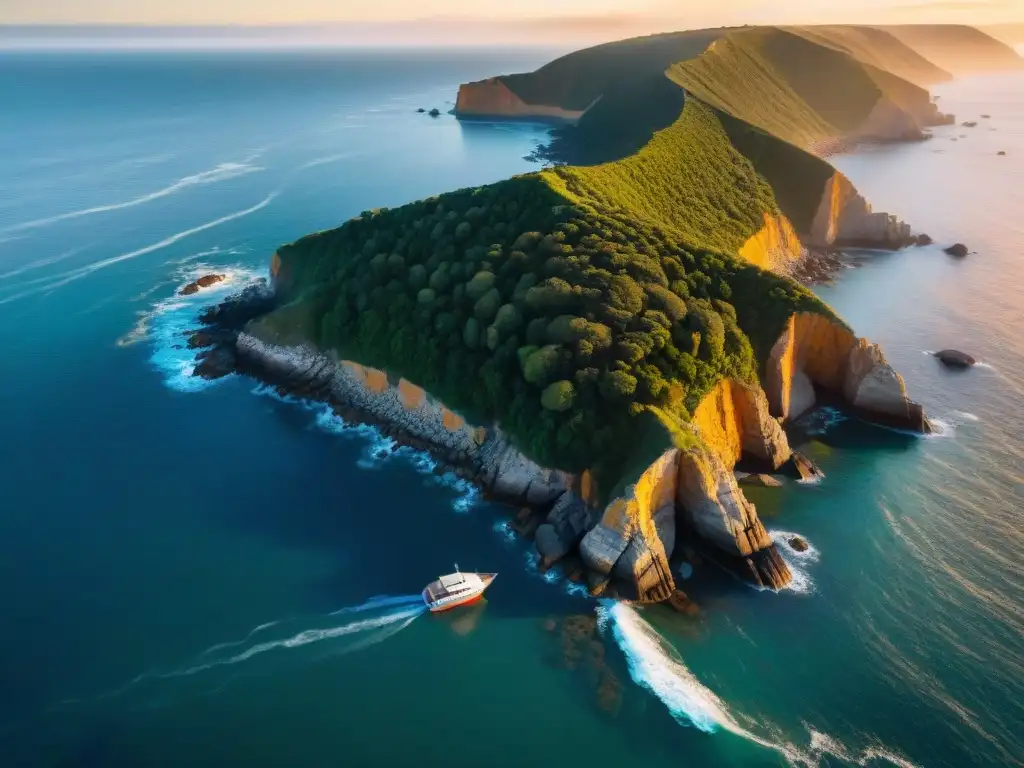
pixel 775 246
pixel 492 98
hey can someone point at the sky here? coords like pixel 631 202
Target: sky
pixel 484 21
pixel 309 11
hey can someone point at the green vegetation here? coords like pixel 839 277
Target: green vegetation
pixel 578 79
pixel 589 308
pixel 564 304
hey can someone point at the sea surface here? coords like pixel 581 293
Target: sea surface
pixel 205 574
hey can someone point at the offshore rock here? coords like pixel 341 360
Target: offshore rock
pixel 203 282
pixel 799 544
pixel 954 358
pixel 957 249
pixel 803 469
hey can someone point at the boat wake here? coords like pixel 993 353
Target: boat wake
pixel 372 622
pixel 655 666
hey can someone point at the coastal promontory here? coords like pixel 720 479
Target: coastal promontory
pixel 603 341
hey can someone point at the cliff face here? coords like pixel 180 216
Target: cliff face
pixel 491 98
pixel 844 217
pixel 734 419
pixel 775 247
pixel 816 351
pixel 401 405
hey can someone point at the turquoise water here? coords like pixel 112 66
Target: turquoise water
pixel 204 574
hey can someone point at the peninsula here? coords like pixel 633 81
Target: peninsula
pixel 602 340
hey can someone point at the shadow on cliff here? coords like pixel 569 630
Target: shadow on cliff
pixel 620 124
pixel 833 425
pixel 388 525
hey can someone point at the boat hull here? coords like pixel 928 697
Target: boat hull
pixel 468 601
pixel 440 602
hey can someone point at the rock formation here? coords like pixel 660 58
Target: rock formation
pixel 815 351
pixel 799 544
pixel 957 249
pixel 954 358
pixel 845 218
pixel 491 98
pixel 203 282
pixel 763 481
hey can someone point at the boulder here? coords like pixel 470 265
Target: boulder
pixel 954 358
pixel 798 543
pixel 1001 153
pixel 435 112
pixel 802 468
pixel 421 110
pixel 215 363
pixel 550 545
pixel 765 481
pixel 957 249
pixel 968 124
pixel 681 602
pixel 923 239
pixel 203 282
pixel 986 116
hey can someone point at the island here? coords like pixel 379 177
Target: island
pixel 601 341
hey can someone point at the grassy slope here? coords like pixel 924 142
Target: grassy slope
pixel 688 179
pixel 878 48
pixel 471 295
pixel 574 81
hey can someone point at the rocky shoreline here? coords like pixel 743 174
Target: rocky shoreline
pixel 631 546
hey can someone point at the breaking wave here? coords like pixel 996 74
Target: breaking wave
pixel 169 321
pixel 798 562
pixel 655 666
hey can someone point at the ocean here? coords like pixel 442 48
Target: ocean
pixel 206 574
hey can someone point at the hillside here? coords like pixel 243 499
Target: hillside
pixel 787 85
pixel 878 48
pixel 958 49
pixel 561 304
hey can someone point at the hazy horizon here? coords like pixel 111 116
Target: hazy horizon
pixel 199 23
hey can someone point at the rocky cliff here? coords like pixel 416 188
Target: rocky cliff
pixel 692 487
pixel 844 217
pixel 776 246
pixel 816 352
pixel 491 98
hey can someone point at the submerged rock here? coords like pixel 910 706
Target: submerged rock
pixel 421 110
pixel 1001 153
pixel 968 124
pixel 435 112
pixel 957 249
pixel 799 544
pixel 203 282
pixel 954 358
pixel 765 481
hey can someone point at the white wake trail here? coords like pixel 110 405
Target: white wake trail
pixel 79 273
pixel 222 172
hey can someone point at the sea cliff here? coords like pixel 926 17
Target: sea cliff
pixel 686 488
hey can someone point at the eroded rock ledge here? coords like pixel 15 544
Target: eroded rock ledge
pixel 690 489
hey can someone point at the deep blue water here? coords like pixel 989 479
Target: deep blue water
pixel 193 574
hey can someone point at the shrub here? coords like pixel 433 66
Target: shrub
pixel 558 396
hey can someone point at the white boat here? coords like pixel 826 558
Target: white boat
pixel 456 589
